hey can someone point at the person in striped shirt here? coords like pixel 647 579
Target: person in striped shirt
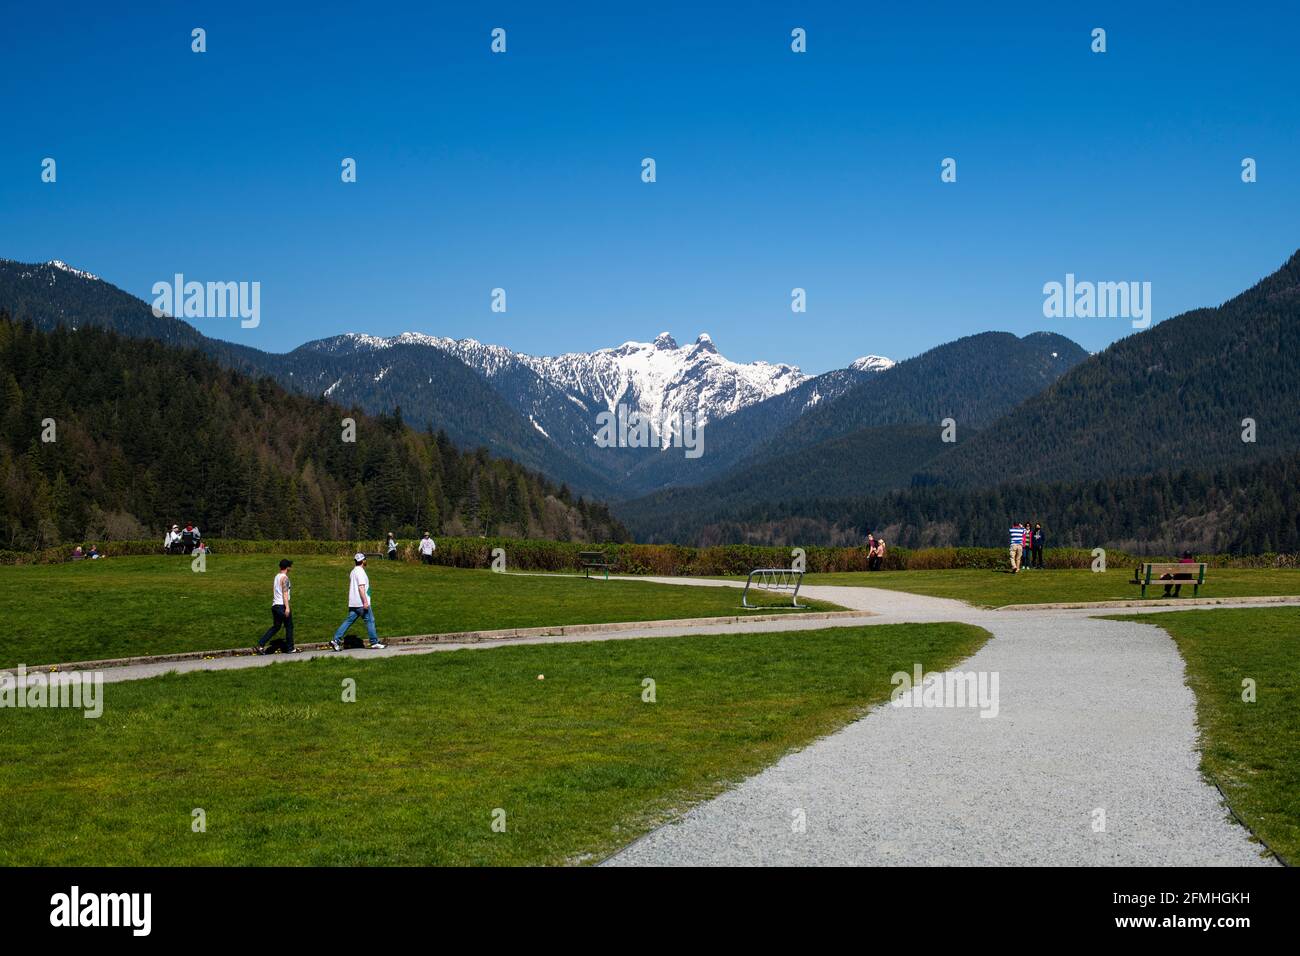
pixel 1017 546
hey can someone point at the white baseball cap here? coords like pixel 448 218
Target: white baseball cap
pixel 358 557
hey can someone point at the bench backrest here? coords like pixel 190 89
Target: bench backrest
pixel 1152 572
pixel 591 555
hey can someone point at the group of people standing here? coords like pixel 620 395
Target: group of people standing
pixel 875 552
pixel 1026 546
pixel 426 548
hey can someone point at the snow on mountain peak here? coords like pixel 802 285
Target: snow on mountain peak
pixel 872 363
pixel 60 264
pixel 704 343
pixel 659 378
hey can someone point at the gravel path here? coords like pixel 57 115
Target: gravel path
pixel 1093 715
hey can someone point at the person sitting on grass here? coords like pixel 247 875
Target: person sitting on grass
pixel 1180 576
pixel 358 605
pixel 93 553
pixel 280 611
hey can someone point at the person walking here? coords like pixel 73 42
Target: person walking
pixel 880 554
pixel 358 605
pixel 281 611
pixel 1017 546
pixel 391 547
pixel 871 551
pixel 427 547
pixel 1028 562
pixel 1039 538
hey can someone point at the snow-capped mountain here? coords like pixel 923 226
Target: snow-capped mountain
pixel 658 378
pixel 542 411
pixel 872 363
pixel 58 264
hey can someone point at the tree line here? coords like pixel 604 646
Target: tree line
pixel 103 436
pixel 1248 509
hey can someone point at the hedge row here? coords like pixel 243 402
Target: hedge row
pixel 659 559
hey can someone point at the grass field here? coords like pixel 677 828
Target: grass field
pixel 997 588
pixel 1251 749
pixel 412 771
pixel 121 607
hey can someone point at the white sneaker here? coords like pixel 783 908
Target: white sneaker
pixel 378 646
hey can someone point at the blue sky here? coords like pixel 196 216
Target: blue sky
pixel 775 169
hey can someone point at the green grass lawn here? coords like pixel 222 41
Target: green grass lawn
pixel 412 771
pixel 996 588
pixel 1251 749
pixel 122 607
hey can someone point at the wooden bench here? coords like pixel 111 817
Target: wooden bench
pixel 594 560
pixel 1152 575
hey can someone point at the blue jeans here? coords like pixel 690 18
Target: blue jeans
pixel 365 613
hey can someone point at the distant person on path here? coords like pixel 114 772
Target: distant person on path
pixel 358 605
pixel 189 538
pixel 281 613
pixel 1017 547
pixel 427 547
pixel 871 550
pixel 1180 576
pixel 1038 545
pixel 1027 559
pixel 391 547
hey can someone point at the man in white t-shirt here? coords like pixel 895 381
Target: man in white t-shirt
pixel 427 547
pixel 281 612
pixel 358 605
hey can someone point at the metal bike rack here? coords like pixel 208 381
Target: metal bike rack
pixel 773 579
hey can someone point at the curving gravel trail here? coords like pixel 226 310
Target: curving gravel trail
pixel 1093 716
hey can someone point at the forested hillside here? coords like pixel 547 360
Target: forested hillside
pixel 1173 396
pixel 973 380
pixel 147 434
pixel 1249 509
pixel 873 436
pixel 433 388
